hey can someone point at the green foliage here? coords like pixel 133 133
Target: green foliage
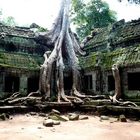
pixel 17 41
pixel 93 14
pixel 132 1
pixel 21 61
pixel 37 28
pixel 9 21
pixel 41 29
pixel 122 56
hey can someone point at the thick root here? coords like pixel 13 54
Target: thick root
pixel 62 96
pixel 34 94
pixel 125 103
pixel 78 94
pixel 22 99
pixel 74 99
pixel 12 97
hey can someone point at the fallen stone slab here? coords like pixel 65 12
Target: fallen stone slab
pixel 101 109
pixel 83 118
pixel 123 110
pixel 73 117
pixel 56 122
pixel 4 116
pixel 99 102
pixel 104 117
pixel 57 117
pixel 122 118
pixel 33 113
pixel 55 111
pixel 48 123
pixel 42 115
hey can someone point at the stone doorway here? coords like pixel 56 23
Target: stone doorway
pixel 12 84
pixel 32 84
pixel 134 81
pixel 111 83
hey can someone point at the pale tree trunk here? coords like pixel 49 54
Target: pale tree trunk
pixel 62 38
pixel 118 94
pixel 74 63
pixel 116 76
pixel 61 35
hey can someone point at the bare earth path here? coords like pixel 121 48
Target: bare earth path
pixel 26 127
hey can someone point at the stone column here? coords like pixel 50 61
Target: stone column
pixel 94 81
pixel 23 84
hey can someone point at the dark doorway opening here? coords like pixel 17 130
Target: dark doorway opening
pixel 111 83
pixel 134 81
pixel 67 82
pixel 11 84
pixel 11 47
pixel 88 81
pixel 33 84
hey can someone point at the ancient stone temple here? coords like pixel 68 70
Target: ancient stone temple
pixel 21 55
pixel 116 44
pixel 20 59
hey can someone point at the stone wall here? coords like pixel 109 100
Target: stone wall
pixel 116 44
pixel 120 34
pixel 20 60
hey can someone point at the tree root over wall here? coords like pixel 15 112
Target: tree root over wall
pixel 63 40
pixel 117 95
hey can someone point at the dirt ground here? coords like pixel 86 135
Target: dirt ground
pixel 27 127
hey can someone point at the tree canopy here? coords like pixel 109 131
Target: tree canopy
pixel 93 14
pixel 132 1
pixel 10 21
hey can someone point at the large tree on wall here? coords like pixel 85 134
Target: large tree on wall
pixel 64 41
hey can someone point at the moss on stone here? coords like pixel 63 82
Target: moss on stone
pixel 133 94
pixel 121 56
pixel 20 41
pixel 24 61
pixel 88 61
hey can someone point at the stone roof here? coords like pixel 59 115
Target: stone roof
pixel 18 36
pixel 17 31
pixel 117 43
pixel 124 57
pixel 98 39
pixel 19 49
pixel 125 32
pixel 120 34
pixel 20 61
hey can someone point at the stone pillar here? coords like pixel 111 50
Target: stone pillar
pixel 94 81
pixel 23 84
